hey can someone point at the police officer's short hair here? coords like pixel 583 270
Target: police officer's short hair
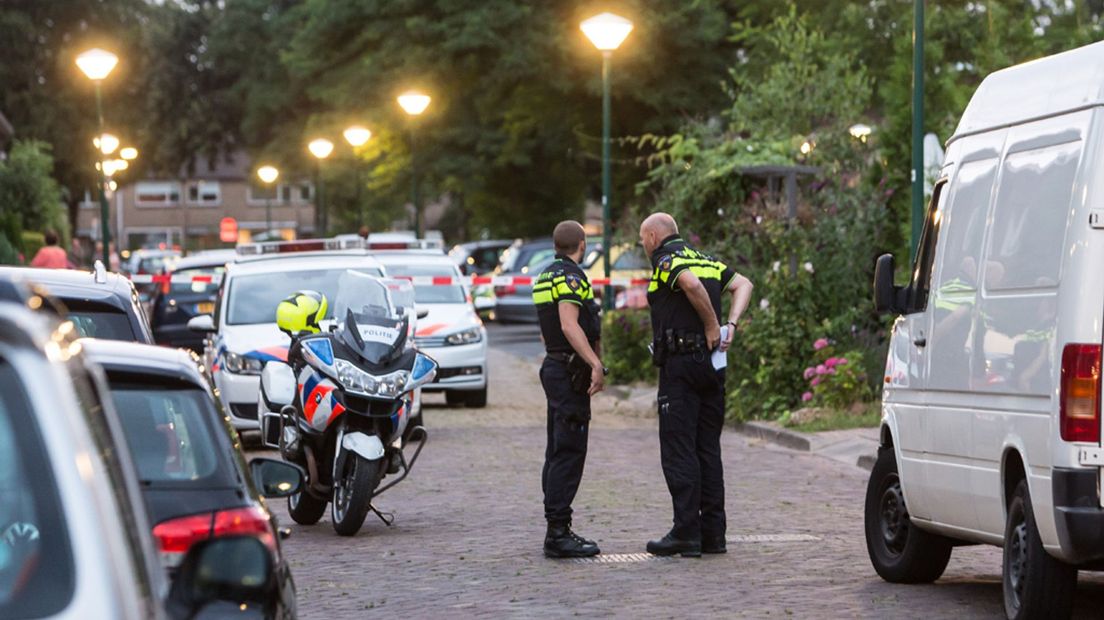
pixel 567 236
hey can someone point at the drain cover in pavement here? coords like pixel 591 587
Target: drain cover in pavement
pixel 770 538
pixel 619 558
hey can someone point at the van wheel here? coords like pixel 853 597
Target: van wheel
pixel 1036 585
pixel 900 552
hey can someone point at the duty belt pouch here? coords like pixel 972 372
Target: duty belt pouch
pixel 578 372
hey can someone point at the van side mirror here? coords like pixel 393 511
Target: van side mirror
pixel 220 575
pixel 276 478
pixel 202 323
pixel 277 385
pixel 888 299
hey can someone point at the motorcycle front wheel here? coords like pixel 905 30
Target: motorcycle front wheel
pixel 352 493
pixel 306 509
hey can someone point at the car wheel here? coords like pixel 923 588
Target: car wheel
pixel 306 509
pixel 1035 584
pixel 899 551
pixel 455 398
pixel 477 399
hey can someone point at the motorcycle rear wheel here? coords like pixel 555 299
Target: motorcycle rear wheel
pixel 352 493
pixel 306 509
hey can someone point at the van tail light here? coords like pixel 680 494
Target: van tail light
pixel 175 536
pixel 1080 393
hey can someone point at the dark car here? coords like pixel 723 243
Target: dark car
pixel 514 302
pixel 192 292
pixel 195 481
pixel 479 257
pixel 99 304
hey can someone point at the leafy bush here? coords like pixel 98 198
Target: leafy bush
pixel 32 243
pixel 625 338
pixel 835 381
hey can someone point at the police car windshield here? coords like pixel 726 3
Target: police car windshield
pixel 431 293
pixel 253 298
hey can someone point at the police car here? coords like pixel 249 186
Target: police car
pixel 242 333
pixel 451 333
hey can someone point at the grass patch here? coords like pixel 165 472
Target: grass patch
pixel 870 417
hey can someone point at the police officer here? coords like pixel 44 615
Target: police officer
pixel 685 299
pixel 571 373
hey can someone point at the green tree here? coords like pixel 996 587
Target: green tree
pixel 30 198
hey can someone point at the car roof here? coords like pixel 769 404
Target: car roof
pixel 71 283
pixel 212 258
pixel 268 263
pixel 132 357
pixel 415 258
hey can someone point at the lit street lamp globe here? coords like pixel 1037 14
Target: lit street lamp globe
pixel 860 131
pixel 414 102
pixel 267 174
pixel 97 63
pixel 320 148
pixel 128 153
pixel 356 135
pixel 106 143
pixel 606 31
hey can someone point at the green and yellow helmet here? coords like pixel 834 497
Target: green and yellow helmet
pixel 301 312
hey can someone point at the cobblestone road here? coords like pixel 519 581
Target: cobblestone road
pixel 468 530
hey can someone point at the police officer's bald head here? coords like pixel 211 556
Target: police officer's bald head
pixel 655 228
pixel 568 237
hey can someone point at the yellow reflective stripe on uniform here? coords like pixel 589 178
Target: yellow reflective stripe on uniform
pixel 542 297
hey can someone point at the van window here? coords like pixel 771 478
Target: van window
pixel 1029 222
pixel 925 256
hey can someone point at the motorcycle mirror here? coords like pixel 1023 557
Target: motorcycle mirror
pixel 218 573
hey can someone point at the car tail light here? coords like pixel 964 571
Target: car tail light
pixel 251 521
pixel 1080 393
pixel 176 536
pixel 502 291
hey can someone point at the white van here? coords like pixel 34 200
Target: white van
pixel 991 428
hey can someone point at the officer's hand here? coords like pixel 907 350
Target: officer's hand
pixel 713 336
pixel 597 381
pixel 728 338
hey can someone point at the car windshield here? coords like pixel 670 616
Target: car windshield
pixel 168 431
pixel 632 259
pixel 367 320
pixel 253 298
pixel 156 264
pixel 36 565
pixel 182 280
pixel 100 321
pixel 431 293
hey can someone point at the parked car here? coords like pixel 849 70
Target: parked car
pixel 991 428
pixel 450 332
pixel 149 262
pixel 629 263
pixel 479 257
pixel 99 304
pixel 189 460
pixel 177 302
pixel 514 302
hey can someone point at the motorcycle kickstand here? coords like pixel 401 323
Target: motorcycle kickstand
pixel 387 517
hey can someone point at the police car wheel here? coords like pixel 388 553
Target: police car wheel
pixel 899 551
pixel 455 398
pixel 477 398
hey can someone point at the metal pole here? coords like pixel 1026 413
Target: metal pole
pixel 317 198
pixel 415 194
pixel 105 230
pixel 607 294
pixel 917 125
pixel 268 213
pixel 359 201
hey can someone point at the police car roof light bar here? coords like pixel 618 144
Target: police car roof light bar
pixel 300 245
pixel 412 244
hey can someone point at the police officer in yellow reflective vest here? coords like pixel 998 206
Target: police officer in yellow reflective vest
pixel 571 373
pixel 685 300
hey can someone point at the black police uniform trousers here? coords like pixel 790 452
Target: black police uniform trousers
pixel 565 455
pixel 691 415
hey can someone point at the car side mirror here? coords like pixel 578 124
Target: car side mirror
pixel 422 314
pixel 203 323
pixel 276 478
pixel 223 575
pixel 888 299
pixel 278 384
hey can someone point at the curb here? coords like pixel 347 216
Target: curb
pixel 781 436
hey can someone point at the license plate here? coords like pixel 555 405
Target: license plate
pixel 206 307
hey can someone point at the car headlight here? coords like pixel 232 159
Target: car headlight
pixel 466 336
pixel 356 380
pixel 242 365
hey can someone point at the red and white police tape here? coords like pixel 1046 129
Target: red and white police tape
pixel 146 278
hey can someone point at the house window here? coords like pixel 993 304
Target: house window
pixel 304 192
pixel 260 192
pixel 157 194
pixel 204 193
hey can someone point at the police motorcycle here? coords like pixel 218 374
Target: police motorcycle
pixel 341 406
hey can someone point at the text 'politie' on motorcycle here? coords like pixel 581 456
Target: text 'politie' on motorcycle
pixel 341 406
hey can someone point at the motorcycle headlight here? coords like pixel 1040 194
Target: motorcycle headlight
pixel 466 336
pixel 242 365
pixel 356 380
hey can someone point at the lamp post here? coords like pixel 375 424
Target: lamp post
pixel 321 149
pixel 97 64
pixel 414 103
pixel 267 175
pixel 917 125
pixel 357 136
pixel 606 31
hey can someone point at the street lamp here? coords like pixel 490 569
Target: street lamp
pixel 414 103
pixel 860 131
pixel 357 136
pixel 97 64
pixel 128 153
pixel 105 143
pixel 321 149
pixel 606 31
pixel 268 174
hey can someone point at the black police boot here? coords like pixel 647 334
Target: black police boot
pixel 561 542
pixel 713 544
pixel 669 545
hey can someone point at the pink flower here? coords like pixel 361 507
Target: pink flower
pixel 809 372
pixel 807 396
pixel 831 362
pixel 816 381
pixel 821 369
pixel 831 371
pixel 842 361
pixel 820 344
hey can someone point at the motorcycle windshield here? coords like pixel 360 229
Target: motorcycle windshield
pixel 367 320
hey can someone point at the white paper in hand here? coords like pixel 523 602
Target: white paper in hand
pixel 719 357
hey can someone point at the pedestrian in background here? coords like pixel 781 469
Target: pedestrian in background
pixel 571 373
pixel 684 296
pixel 50 256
